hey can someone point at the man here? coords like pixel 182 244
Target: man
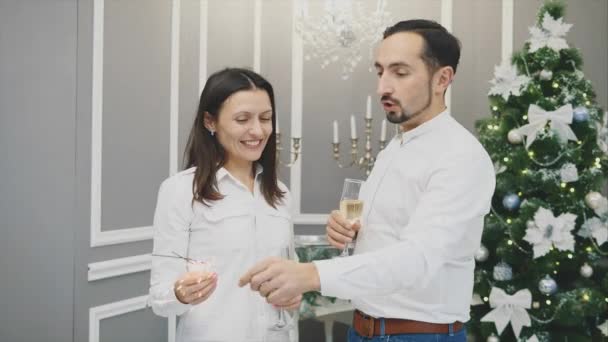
pixel 424 203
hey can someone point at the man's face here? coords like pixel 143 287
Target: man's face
pixel 404 81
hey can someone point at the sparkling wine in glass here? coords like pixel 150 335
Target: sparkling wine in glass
pixel 351 206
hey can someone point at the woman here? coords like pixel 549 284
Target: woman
pixel 224 212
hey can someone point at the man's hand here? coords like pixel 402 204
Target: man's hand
pixel 292 304
pixel 281 281
pixel 340 231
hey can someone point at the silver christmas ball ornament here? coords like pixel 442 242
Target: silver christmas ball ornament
pixel 546 75
pixel 580 114
pixel 502 272
pixel 547 285
pixel 515 137
pixel 593 199
pixel 586 270
pixel 511 201
pixel 482 254
pixel 493 338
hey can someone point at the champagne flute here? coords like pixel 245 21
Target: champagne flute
pixel 351 206
pixel 281 322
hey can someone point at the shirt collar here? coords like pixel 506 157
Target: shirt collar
pixel 222 172
pixel 424 128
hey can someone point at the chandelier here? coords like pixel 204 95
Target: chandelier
pixel 341 32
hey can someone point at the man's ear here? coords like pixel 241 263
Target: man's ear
pixel 444 76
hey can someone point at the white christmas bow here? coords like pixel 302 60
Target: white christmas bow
pixel 509 309
pixel 560 120
pixel 604 328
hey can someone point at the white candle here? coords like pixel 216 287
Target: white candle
pixel 336 139
pixel 383 131
pixel 353 127
pixel 296 127
pixel 368 108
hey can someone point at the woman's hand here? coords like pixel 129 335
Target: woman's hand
pixel 195 287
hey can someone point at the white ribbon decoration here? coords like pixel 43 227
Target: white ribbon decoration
pixel 532 338
pixel 560 120
pixel 476 300
pixel 509 309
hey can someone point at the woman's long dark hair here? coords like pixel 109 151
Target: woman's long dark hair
pixel 205 152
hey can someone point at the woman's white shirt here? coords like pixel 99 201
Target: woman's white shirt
pixel 233 233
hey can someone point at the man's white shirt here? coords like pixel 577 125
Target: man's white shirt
pixel 424 207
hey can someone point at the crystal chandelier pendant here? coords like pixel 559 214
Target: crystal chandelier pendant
pixel 340 34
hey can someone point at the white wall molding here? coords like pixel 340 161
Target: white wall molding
pixel 118 267
pixel 174 97
pixel 507 29
pixel 202 45
pixel 257 36
pixel 447 15
pixel 297 80
pixel 98 313
pixel 312 219
pixel 128 234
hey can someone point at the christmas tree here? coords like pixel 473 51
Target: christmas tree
pixel 542 269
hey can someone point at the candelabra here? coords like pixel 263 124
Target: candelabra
pixel 295 150
pixel 366 161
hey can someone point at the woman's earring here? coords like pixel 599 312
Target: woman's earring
pixel 212 133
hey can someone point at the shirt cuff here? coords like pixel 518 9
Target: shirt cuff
pixel 168 304
pixel 329 274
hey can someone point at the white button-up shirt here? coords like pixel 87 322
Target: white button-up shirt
pixel 233 233
pixel 424 204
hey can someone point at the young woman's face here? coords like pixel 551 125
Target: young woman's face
pixel 244 125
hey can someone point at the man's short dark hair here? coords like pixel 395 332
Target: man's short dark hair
pixel 441 48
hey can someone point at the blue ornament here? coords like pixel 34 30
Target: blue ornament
pixel 580 114
pixel 511 202
pixel 547 286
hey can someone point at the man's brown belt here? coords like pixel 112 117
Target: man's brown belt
pixel 368 326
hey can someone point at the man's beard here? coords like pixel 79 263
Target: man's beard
pixel 403 115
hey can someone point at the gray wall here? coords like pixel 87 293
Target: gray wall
pixel 45 132
pixel 37 148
